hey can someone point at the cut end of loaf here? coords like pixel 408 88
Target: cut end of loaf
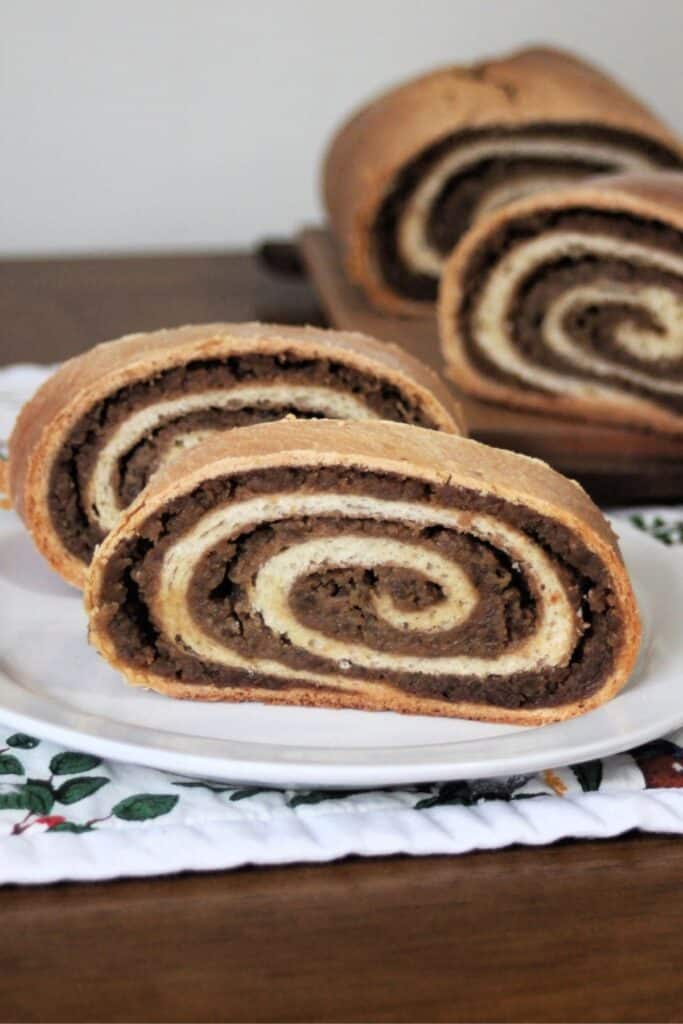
pixel 572 304
pixel 108 421
pixel 367 565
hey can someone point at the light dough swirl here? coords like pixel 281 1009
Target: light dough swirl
pixel 551 644
pixel 506 169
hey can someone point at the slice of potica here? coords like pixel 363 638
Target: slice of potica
pixel 571 303
pixel 97 431
pixel 365 565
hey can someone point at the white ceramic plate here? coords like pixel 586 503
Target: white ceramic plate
pixel 53 684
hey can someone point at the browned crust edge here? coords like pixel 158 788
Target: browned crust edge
pixel 47 418
pixel 657 196
pixel 393 448
pixel 528 86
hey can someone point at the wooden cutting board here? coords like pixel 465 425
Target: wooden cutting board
pixel 615 465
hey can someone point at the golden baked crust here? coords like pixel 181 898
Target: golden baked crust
pixel 656 197
pixel 47 418
pixel 392 448
pixel 527 87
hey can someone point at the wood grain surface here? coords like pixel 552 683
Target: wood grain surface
pixel 615 465
pixel 586 932
pixel 52 309
pixel 577 932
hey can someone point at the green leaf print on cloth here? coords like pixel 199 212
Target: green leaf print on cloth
pixel 144 806
pixel 70 763
pixel 22 741
pixel 45 790
pixel 668 532
pixel 10 765
pixel 79 788
pixel 13 801
pixel 69 826
pixel 40 796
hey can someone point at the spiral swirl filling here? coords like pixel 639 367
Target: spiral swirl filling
pixel 445 189
pixel 115 448
pixel 579 302
pixel 362 581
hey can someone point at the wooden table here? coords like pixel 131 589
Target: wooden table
pixel 576 932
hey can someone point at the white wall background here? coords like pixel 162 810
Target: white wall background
pixel 150 124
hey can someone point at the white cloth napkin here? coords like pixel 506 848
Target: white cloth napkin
pixel 68 815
